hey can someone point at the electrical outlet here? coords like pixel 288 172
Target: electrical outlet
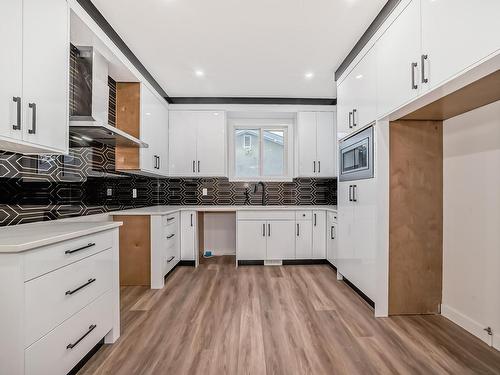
pixel 205 191
pixel 109 192
pixel 134 193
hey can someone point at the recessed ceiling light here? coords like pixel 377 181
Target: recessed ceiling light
pixel 199 73
pixel 309 75
pixel 359 76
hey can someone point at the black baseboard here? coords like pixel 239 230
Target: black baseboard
pixel 85 359
pixel 304 262
pixel 250 263
pixel 359 292
pixel 190 263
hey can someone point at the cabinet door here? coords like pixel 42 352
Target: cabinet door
pixel 188 235
pixel 364 236
pixel 182 143
pixel 364 77
pixel 457 34
pixel 11 13
pixel 319 235
pixel 211 144
pixel 45 73
pixel 303 239
pixel 326 144
pixel 331 239
pixel 398 48
pixel 306 135
pixel 163 139
pixel 345 106
pixel 150 124
pixel 345 226
pixel 280 240
pixel 251 240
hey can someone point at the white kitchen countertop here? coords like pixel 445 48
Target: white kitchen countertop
pixel 18 238
pixel 164 210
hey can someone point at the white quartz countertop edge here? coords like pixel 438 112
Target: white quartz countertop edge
pixel 19 238
pixel 165 210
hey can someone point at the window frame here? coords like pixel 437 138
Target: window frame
pixel 285 125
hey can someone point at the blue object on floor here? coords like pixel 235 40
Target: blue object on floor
pixel 208 254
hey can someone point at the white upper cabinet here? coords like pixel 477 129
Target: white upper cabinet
pixel 197 143
pixel 154 131
pixel 357 96
pixel 398 55
pixel 455 35
pixel 11 31
pixel 316 144
pixel 39 32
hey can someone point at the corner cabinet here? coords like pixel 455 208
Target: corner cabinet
pixel 34 97
pixel 316 144
pixel 197 143
pixel 142 114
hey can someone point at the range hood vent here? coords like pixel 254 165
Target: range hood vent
pixel 89 124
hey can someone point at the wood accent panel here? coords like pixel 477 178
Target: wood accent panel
pixel 416 217
pixel 294 320
pixel 477 94
pixel 135 250
pixel 128 119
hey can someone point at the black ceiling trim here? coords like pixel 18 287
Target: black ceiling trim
pixel 370 31
pixel 93 12
pixel 252 100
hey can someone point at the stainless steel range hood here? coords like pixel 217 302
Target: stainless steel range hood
pixel 90 95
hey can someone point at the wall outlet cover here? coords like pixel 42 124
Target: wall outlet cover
pixel 205 191
pixel 134 193
pixel 109 192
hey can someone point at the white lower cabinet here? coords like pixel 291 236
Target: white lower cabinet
pixel 319 235
pixel 304 239
pixel 331 239
pixel 188 235
pixel 251 240
pixel 165 247
pixel 357 237
pixel 280 240
pixel 58 302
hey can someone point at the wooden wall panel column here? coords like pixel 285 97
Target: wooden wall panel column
pixel 135 250
pixel 416 217
pixel 128 119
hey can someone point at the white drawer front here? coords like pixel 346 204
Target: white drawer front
pixel 49 258
pixel 303 215
pixel 51 355
pixel 170 219
pixel 54 297
pixel 266 215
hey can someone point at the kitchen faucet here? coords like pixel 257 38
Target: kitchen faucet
pixel 256 187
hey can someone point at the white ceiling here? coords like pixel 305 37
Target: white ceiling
pixel 247 48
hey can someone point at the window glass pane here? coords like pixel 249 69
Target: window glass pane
pixel 274 152
pixel 247 152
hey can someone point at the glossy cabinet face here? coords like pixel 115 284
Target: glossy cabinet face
pixel 457 34
pixel 251 240
pixel 280 240
pixel 316 144
pixel 188 235
pixel 197 143
pixel 319 235
pixel 397 49
pixel 11 31
pixel 304 239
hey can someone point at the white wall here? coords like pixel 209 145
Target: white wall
pixel 220 232
pixel 471 221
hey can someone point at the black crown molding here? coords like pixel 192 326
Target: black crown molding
pixel 252 100
pixel 370 31
pixel 97 16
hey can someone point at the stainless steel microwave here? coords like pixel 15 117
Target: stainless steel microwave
pixel 356 156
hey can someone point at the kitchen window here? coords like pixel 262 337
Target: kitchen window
pixel 260 151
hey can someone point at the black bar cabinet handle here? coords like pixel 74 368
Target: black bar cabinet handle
pixel 198 166
pixel 70 292
pixel 169 237
pixel 170 218
pixel 17 100
pixel 33 125
pixel 269 230
pixel 414 86
pixel 191 219
pixel 263 230
pixel 354 198
pixel 80 248
pixel 298 229
pixel 170 259
pixel 424 78
pixel 315 220
pixel 91 328
pixel 314 166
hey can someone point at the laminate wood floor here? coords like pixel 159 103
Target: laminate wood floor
pixel 217 319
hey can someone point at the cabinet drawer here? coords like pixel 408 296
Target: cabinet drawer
pixel 53 354
pixel 303 215
pixel 49 258
pixel 332 217
pixel 170 219
pixel 266 215
pixel 54 297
